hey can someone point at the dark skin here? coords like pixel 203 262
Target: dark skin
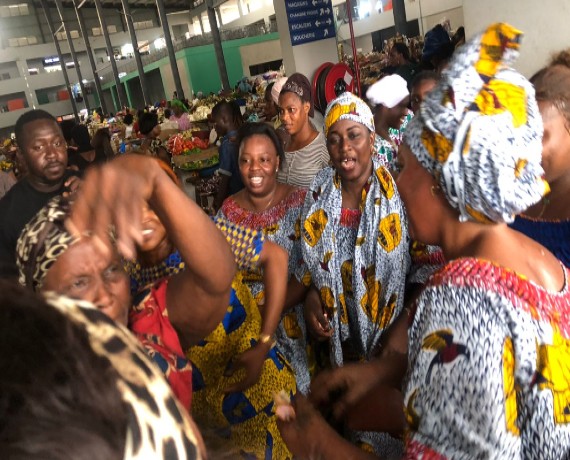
pixel 43 151
pixel 294 114
pixel 224 123
pixel 433 221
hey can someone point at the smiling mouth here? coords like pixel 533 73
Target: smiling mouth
pixel 147 231
pixel 256 180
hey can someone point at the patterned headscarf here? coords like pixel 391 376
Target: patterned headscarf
pixel 348 107
pixel 41 243
pixel 300 85
pixel 479 132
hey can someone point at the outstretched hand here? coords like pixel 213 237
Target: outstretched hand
pixel 114 195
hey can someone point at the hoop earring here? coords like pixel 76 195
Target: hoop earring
pixel 435 190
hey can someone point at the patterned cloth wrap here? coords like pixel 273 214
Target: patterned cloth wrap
pixel 41 243
pixel 479 131
pixel 488 367
pixel 158 426
pixel 240 423
pixel 44 239
pixel 347 106
pixel 280 224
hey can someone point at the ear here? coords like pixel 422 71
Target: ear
pixel 307 107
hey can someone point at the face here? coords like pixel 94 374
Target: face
pixel 393 117
pixel 293 112
pixel 414 185
pixel 83 273
pixel 394 57
pixel 270 109
pixel 258 165
pixel 44 152
pixel 350 146
pixel 419 92
pixel 154 233
pixel 555 142
pixel 220 124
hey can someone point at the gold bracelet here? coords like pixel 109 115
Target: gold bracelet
pixel 266 338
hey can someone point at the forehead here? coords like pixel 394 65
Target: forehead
pixel 257 144
pixel 288 98
pixel 40 128
pixel 343 126
pixel 423 86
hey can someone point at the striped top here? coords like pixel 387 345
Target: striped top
pixel 301 166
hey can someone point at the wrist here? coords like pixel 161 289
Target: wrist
pixel 266 341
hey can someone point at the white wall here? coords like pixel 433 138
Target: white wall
pixel 258 53
pixel 544 23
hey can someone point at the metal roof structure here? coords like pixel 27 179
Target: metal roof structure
pixel 168 4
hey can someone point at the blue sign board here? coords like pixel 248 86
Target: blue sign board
pixel 309 20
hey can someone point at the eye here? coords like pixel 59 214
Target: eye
pixel 78 284
pixel 244 161
pixel 353 135
pixel 333 140
pixel 113 272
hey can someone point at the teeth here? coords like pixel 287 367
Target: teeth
pixel 147 231
pixel 256 180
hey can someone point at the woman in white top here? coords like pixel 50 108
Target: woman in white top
pixel 306 153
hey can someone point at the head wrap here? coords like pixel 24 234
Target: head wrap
pixel 479 132
pixel 277 87
pixel 300 85
pixel 388 91
pixel 348 107
pixel 436 40
pixel 41 243
pixel 178 104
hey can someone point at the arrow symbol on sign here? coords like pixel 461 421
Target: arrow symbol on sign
pixel 327 10
pixel 317 23
pixel 326 32
pixel 315 2
pixel 328 21
pixel 322 11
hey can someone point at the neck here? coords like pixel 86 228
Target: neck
pixel 303 137
pixel 382 129
pixel 464 239
pixel 261 203
pixel 44 186
pixel 157 255
pixel 560 188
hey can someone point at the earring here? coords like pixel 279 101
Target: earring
pixel 276 169
pixel 435 189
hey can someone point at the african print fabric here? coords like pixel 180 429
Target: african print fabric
pixel 386 151
pixel 426 260
pixel 241 423
pixel 359 265
pixel 158 426
pixel 554 235
pixel 280 224
pixel 489 366
pixel 479 131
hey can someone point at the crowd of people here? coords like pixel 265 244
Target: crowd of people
pixel 387 281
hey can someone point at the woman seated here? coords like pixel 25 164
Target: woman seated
pixel 489 335
pixel 88 393
pixel 68 250
pixel 150 132
pixel 273 208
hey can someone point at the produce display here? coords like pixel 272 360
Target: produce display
pixel 190 152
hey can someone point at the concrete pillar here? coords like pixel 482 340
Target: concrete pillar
pixel 218 45
pixel 47 12
pixel 83 30
pixel 170 48
pixel 140 68
pixel 120 93
pixel 59 7
pixel 400 21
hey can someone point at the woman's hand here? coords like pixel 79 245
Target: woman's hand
pixel 252 362
pixel 315 316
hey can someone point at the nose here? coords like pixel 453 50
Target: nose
pixel 103 297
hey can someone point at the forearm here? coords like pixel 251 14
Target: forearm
pixel 204 249
pixel 274 263
pixel 296 293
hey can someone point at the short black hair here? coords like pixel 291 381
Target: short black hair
pixel 128 119
pixel 58 398
pixel 167 113
pixel 402 49
pixel 66 127
pixel 147 122
pixel 28 117
pixel 423 76
pixel 231 110
pixel 262 129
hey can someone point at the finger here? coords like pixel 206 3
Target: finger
pixel 317 330
pixel 328 384
pixel 285 412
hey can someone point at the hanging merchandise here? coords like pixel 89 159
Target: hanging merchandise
pixel 329 82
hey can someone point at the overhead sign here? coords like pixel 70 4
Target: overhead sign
pixel 309 20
